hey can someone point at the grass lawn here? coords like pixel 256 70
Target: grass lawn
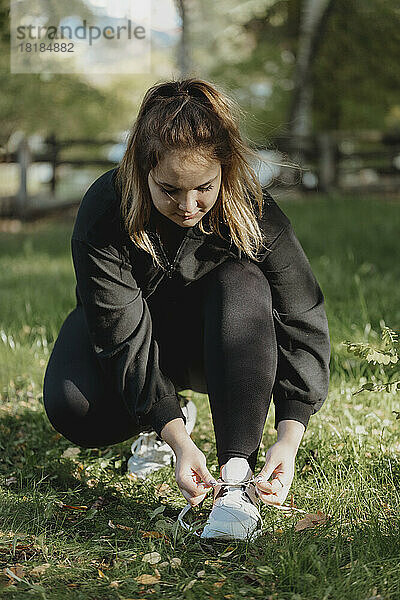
pixel 348 464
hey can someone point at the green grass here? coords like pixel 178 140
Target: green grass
pixel 347 466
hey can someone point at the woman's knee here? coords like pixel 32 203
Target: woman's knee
pixel 77 399
pixel 240 280
pixel 64 404
pixel 88 423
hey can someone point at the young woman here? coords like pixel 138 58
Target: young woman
pixel 189 276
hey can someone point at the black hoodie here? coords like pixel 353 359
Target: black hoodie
pixel 114 278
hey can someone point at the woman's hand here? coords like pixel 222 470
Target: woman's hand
pixel 191 473
pixel 279 462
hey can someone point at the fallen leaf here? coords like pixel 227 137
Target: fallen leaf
pixel 69 507
pixel 219 584
pixel 147 579
pixel 15 572
pixel 152 558
pixel 100 572
pixel 39 570
pixel 175 562
pixel 311 520
pixel 163 489
pixel 71 452
pixel 201 573
pixel 150 534
pixel 116 525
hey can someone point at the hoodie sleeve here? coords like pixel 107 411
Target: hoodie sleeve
pixel 120 328
pixel 301 326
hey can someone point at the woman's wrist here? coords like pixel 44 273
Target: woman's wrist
pixel 291 433
pixel 176 435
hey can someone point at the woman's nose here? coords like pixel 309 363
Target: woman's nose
pixel 188 204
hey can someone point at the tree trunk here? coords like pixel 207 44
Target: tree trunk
pixel 313 18
pixel 183 52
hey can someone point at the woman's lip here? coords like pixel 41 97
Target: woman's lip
pixel 190 216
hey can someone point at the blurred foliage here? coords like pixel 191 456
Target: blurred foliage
pixel 250 47
pixel 247 47
pixel 66 103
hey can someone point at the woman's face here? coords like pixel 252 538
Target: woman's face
pixel 184 188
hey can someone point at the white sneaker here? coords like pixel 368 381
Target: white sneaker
pixel 150 454
pixel 235 513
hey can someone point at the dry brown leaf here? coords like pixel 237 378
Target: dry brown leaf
pixel 116 525
pixel 219 584
pixel 100 572
pixel 163 489
pixel 70 507
pixel 150 534
pixel 17 570
pixel 39 570
pixel 147 579
pixel 152 558
pixel 311 520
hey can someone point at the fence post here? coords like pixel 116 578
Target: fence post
pixel 52 141
pixel 327 161
pixel 24 160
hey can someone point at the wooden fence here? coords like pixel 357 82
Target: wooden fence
pixel 361 161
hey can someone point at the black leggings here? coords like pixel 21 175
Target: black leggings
pixel 216 336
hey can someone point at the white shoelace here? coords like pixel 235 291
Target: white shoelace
pixel 188 506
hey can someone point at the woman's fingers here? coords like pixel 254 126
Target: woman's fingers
pixel 275 491
pixel 271 487
pixel 193 500
pixel 206 479
pixel 194 487
pixel 272 499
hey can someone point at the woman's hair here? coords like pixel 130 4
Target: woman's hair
pixel 194 116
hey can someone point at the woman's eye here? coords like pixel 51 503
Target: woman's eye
pixel 169 193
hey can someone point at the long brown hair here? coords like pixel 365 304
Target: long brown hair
pixel 191 115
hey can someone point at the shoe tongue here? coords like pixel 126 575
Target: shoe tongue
pixel 235 470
